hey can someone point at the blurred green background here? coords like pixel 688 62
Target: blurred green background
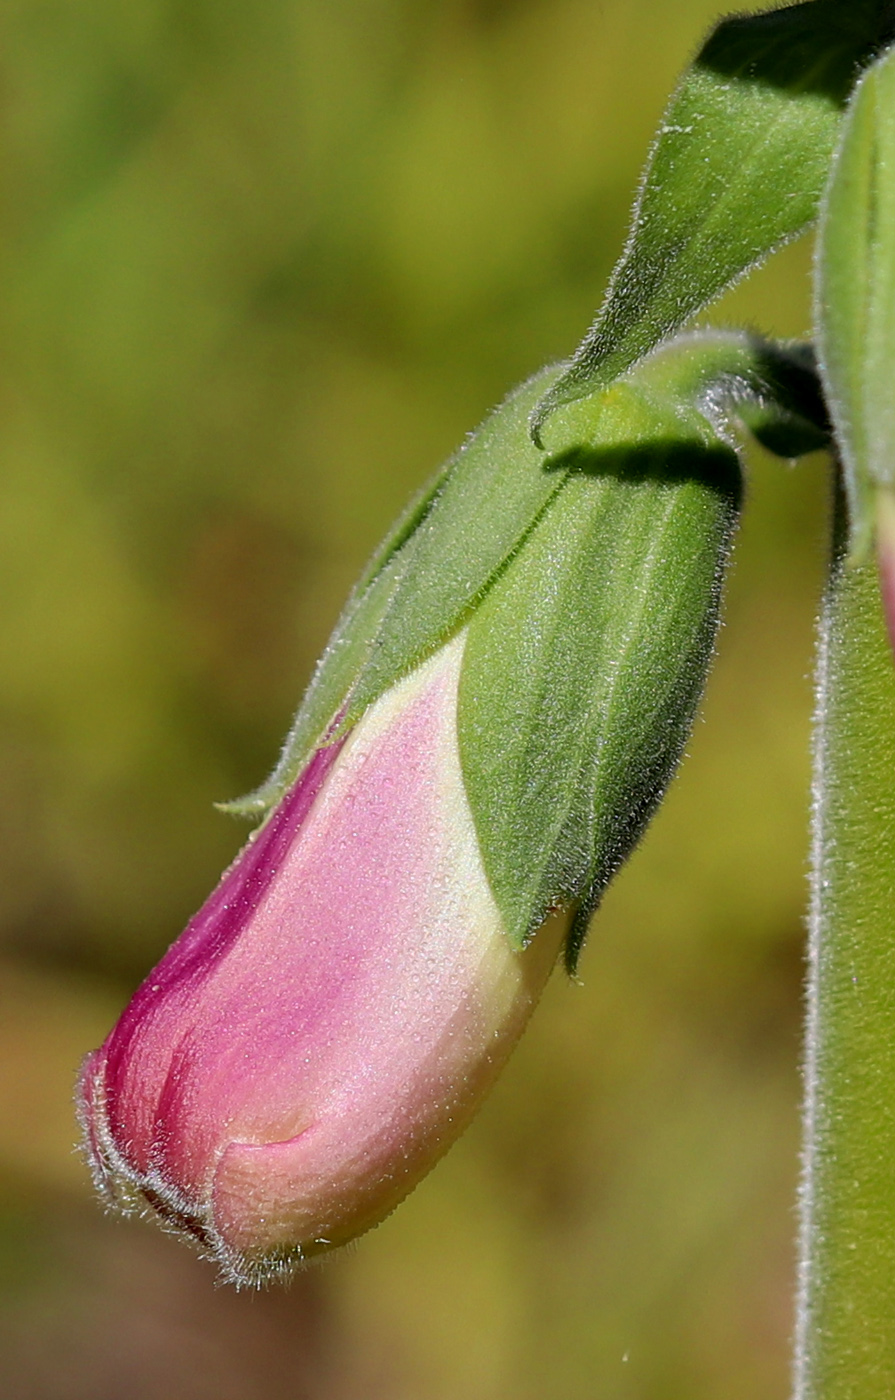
pixel 263 265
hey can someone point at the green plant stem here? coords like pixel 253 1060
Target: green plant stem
pixel 845 1345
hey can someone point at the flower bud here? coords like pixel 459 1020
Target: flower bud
pixel 330 1019
pixel 500 710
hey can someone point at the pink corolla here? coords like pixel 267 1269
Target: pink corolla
pixel 328 1022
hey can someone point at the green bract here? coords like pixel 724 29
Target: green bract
pixel 588 584
pixel 737 169
pixel 584 664
pixel 856 296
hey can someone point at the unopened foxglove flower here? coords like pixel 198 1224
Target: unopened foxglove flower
pixel 329 1020
pixel 495 719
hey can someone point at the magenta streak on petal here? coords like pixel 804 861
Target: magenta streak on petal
pixel 207 938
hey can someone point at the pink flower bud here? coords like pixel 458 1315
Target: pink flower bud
pixel 328 1022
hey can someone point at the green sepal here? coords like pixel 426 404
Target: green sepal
pixel 583 668
pixel 441 555
pixel 855 298
pixel 584 664
pixel 737 170
pixel 498 486
pixel 465 530
pixel 731 377
pixel 317 718
pixel 347 650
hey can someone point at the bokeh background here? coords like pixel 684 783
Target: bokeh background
pixel 263 263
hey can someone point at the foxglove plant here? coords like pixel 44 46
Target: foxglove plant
pixel 506 698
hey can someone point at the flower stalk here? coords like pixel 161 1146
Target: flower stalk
pixel 845 1338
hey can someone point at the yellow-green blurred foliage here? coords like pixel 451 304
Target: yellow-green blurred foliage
pixel 264 262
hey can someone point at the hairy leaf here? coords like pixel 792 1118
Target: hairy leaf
pixel 737 169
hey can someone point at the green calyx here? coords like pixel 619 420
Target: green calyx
pixel 589 584
pixel 751 129
pixel 586 661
